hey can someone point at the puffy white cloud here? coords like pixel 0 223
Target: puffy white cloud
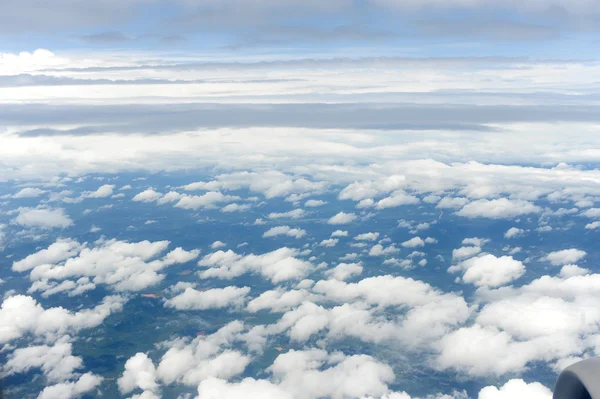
pixel 413 243
pixel 465 252
pixel 513 232
pixel 208 200
pixel 191 362
pixel 270 183
pixel 593 225
pixel 71 390
pixel 29 192
pixel 44 218
pixel 248 388
pixel 293 214
pixel 344 271
pixel 452 203
pixel 279 300
pixel 367 237
pixel 215 298
pixel 397 198
pixel 566 256
pixel 314 203
pixel 572 270
pixel 235 208
pixel 330 242
pixel 279 265
pixel 102 192
pixel 488 270
pixel 516 388
pixel 342 218
pixel 339 233
pixel 502 208
pixel 217 244
pixel 20 315
pixel 285 230
pixel 56 362
pixel 476 241
pixel 139 373
pixel 148 195
pixel 380 250
pixel 122 265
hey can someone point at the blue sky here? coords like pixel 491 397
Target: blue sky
pixel 541 28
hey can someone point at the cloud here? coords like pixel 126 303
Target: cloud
pixel 235 208
pixel 294 214
pixel 380 250
pixel 216 298
pixel 44 218
pixel 29 192
pixel 71 390
pixel 488 270
pixel 330 242
pixel 217 244
pixel 279 300
pixel 285 230
pixel 516 388
pixel 513 232
pixel 343 271
pixel 148 195
pixel 122 265
pixel 452 203
pixel 465 252
pixel 414 242
pixel 339 233
pixel 314 203
pixel 397 198
pixel 102 192
pixel 501 208
pixel 20 315
pixel 139 373
pixel 367 236
pixel 342 218
pixel 57 361
pixel 566 256
pixel 277 266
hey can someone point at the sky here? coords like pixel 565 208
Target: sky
pixel 370 199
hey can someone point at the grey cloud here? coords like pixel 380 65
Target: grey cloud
pixel 488 29
pixel 167 118
pixel 105 37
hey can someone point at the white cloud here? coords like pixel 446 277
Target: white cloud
pixel 279 300
pixel 139 373
pixel 235 208
pixel 490 271
pixel 71 390
pixel 342 218
pixel 248 388
pixel 566 256
pixel 502 208
pixel 148 195
pixel 593 225
pixel 380 250
pixel 414 242
pixel 279 265
pixel 452 203
pixel 478 242
pixel 208 200
pixel 330 242
pixel 397 198
pixel 367 237
pixel 516 389
pixel 343 271
pixel 285 230
pixel 29 192
pixel 217 244
pixel 215 298
pixel 20 315
pixel 102 192
pixel 191 362
pixel 57 362
pixel 513 232
pixel 314 203
pixel 572 270
pixel 339 233
pixel 122 265
pixel 294 214
pixel 44 218
pixel 465 252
